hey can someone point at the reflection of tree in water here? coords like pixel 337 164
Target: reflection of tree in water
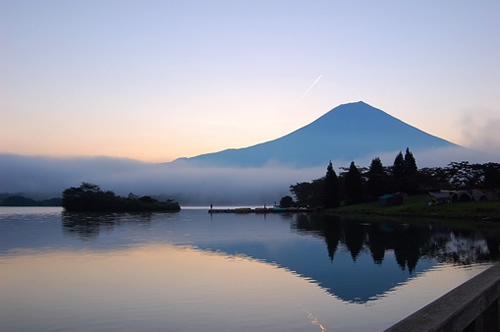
pixel 409 243
pixel 353 238
pixel 466 246
pixel 376 243
pixel 323 226
pixel 332 237
pixel 87 226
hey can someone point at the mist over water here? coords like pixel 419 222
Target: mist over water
pixel 191 185
pixel 187 184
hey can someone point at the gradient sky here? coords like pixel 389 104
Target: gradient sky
pixel 158 80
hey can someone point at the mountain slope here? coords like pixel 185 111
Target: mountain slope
pixel 347 132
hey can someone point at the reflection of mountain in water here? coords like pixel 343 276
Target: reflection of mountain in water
pixel 411 250
pixel 409 243
pixel 364 261
pixel 355 261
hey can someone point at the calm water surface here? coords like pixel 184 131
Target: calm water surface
pixel 192 271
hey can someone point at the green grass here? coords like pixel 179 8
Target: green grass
pixel 418 207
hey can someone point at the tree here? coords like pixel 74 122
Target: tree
pixel 463 175
pixel 309 194
pixel 85 197
pixel 302 192
pixel 398 170
pixel 378 181
pixel 433 179
pixel 353 185
pixel 411 168
pixel 411 178
pixel 405 172
pixel 331 187
pixel 286 201
pixel 89 197
pixel 491 173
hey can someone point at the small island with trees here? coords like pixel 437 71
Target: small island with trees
pixel 90 198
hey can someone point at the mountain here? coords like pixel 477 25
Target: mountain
pixel 347 132
pixel 351 132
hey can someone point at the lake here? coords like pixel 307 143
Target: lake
pixel 192 271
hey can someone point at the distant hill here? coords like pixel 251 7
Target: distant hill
pixel 17 200
pixel 347 132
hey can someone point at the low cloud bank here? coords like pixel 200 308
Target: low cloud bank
pixel 45 177
pixel 439 157
pixel 479 130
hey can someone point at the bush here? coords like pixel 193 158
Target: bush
pixel 286 202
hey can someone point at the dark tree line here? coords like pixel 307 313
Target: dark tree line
pixel 90 197
pixel 359 184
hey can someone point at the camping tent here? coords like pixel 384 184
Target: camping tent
pixel 390 199
pixel 468 195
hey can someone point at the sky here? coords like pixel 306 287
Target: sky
pixel 158 80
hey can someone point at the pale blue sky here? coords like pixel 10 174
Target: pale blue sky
pixel 158 80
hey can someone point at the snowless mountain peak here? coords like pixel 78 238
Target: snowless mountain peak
pixel 347 132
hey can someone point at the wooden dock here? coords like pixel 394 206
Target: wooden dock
pixel 260 210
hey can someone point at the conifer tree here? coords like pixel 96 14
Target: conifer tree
pixel 353 185
pixel 398 168
pixel 411 173
pixel 410 163
pixel 377 179
pixel 331 187
pixel 405 172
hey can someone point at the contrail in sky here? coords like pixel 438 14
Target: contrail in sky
pixel 312 85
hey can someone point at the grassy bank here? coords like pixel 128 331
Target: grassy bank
pixel 418 207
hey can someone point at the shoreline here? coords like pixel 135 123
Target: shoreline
pixel 418 207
